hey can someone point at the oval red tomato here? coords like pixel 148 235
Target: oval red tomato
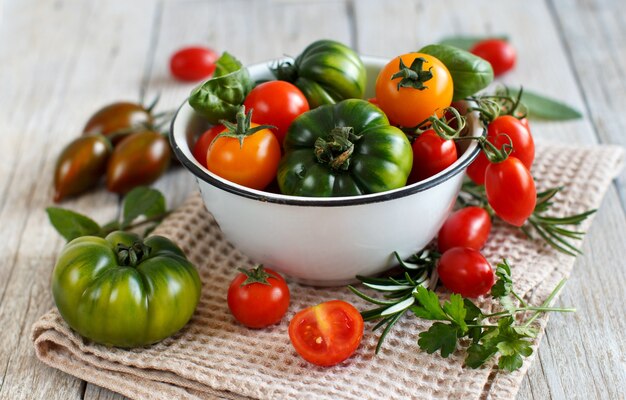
pixel 510 190
pixel 465 271
pixel 328 333
pixel 467 227
pixel 258 297
pixel 431 154
pixel 276 103
pixel 499 53
pixel 497 132
pixel 193 63
pixel 201 147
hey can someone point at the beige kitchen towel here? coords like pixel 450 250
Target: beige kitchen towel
pixel 215 357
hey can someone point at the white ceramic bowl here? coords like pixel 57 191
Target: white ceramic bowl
pixel 323 241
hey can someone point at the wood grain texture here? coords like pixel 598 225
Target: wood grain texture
pixel 62 60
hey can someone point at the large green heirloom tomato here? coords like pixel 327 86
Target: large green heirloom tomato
pixel 120 291
pixel 326 72
pixel 344 149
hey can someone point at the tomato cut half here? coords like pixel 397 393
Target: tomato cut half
pixel 328 333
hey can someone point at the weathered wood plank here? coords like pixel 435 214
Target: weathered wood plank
pixel 61 61
pixel 593 33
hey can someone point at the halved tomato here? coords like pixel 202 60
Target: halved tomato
pixel 328 333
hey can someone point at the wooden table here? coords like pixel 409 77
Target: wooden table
pixel 61 60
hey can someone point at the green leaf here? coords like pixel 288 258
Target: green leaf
pixel 440 336
pixel 219 98
pixel 470 73
pixel 467 42
pixel 71 224
pixel 503 285
pixel 142 201
pixel 429 307
pixel 543 107
pixel 478 354
pixel 455 308
pixel 510 363
pixel 472 312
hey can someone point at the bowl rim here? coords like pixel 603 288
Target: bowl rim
pixel 268 197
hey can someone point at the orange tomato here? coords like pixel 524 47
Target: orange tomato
pixel 409 106
pixel 253 163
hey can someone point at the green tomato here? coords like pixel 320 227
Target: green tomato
pixel 120 291
pixel 345 149
pixel 326 72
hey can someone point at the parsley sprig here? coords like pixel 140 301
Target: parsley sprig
pixel 555 231
pixel 459 322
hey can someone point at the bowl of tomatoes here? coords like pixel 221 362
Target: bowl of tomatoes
pixel 324 238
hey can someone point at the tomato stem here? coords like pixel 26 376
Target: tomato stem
pixel 337 148
pixel 131 256
pixel 255 275
pixel 242 129
pixel 413 76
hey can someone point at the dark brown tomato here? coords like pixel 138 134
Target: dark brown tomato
pixel 81 165
pixel 139 159
pixel 118 120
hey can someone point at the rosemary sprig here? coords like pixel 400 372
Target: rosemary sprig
pixel 554 231
pixel 417 271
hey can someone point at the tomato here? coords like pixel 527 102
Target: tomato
pixel 139 159
pixel 276 103
pixel 431 154
pixel 467 227
pixel 118 120
pixel 326 72
pixel 344 149
pixel 258 297
pixel 411 101
pixel 500 54
pixel 328 333
pixel 497 132
pixel 252 162
pixel 510 190
pixel 465 271
pixel 201 147
pixel 193 63
pixel 81 165
pixel 117 299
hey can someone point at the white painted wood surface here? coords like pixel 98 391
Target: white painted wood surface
pixel 61 60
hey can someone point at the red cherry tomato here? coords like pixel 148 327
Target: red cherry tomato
pixel 276 103
pixel 465 271
pixel 328 333
pixel 510 190
pixel 467 227
pixel 201 147
pixel 431 154
pixel 258 297
pixel 500 54
pixel 193 63
pixel 497 132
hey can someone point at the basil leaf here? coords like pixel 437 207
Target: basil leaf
pixel 467 42
pixel 220 97
pixel 543 107
pixel 71 225
pixel 142 201
pixel 470 73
